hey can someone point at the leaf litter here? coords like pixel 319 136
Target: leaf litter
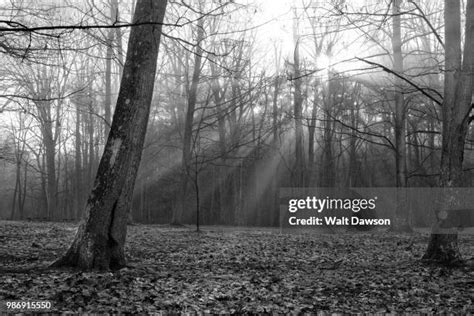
pixel 241 271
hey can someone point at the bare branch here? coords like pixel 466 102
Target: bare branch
pixel 417 87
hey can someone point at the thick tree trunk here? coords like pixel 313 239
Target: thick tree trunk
pixel 443 245
pixel 99 242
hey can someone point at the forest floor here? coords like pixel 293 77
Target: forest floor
pixel 238 271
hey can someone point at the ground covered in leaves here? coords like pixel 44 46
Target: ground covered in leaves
pixel 240 271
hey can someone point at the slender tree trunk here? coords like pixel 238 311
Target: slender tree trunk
pixel 108 82
pixel 22 191
pixel 275 151
pixel 233 181
pixel 431 144
pixel 443 244
pixel 78 166
pixel 353 179
pixel 311 137
pixel 51 189
pixel 276 90
pixel 298 117
pixel 237 185
pixel 112 36
pixel 68 194
pixel 198 201
pixel 44 190
pixel 99 242
pixel 17 188
pixel 92 160
pixel 219 98
pixel 188 127
pixel 328 172
pixel 55 216
pixel 85 150
pixel 118 36
pixel 400 222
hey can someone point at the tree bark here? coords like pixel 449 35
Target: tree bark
pixel 354 170
pixel 276 146
pixel 298 117
pixel 78 165
pixel 219 100
pixel 118 35
pixel 328 172
pixel 188 126
pixel 311 136
pixel 400 223
pixel 443 245
pixel 112 36
pixel 92 158
pixel 108 82
pixel 50 150
pixel 17 187
pixel 99 242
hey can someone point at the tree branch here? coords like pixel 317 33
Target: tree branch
pixel 411 83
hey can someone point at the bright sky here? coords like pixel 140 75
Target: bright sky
pixel 277 17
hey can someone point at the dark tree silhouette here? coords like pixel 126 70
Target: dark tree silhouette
pixel 443 245
pixel 99 242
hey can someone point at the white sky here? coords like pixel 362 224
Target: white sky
pixel 277 17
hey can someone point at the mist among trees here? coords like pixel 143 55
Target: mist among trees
pixel 215 133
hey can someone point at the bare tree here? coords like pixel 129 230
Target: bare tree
pixel 188 123
pixel 459 80
pixel 99 242
pixel 299 179
pixel 401 216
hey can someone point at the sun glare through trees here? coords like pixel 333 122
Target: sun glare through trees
pixel 236 156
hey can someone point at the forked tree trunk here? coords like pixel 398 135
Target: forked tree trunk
pixel 443 245
pixel 99 242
